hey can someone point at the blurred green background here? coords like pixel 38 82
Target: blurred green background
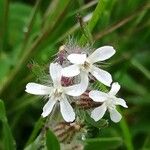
pixel 32 31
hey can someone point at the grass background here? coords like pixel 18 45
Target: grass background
pixel 32 31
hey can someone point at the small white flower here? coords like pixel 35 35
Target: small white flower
pixel 85 65
pixel 56 93
pixel 109 101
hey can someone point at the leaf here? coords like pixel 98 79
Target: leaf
pixel 8 141
pixel 99 86
pixel 141 68
pixel 103 143
pixel 99 124
pixel 95 17
pixel 51 141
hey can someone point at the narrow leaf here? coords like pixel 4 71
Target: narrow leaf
pixel 8 141
pixel 51 141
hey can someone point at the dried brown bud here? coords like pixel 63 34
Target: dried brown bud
pixel 77 147
pixel 72 146
pixel 85 102
pixel 61 54
pixel 66 131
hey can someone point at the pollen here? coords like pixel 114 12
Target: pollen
pixel 86 66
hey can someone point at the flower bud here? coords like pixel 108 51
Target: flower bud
pixel 85 102
pixel 66 131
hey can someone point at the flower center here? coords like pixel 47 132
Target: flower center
pixel 58 92
pixel 110 103
pixel 86 66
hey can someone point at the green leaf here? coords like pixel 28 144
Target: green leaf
pixel 99 124
pixel 51 141
pixel 8 141
pixel 95 17
pixel 141 68
pixel 103 143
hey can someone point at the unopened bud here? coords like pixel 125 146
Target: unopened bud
pixel 85 102
pixel 66 131
pixel 62 48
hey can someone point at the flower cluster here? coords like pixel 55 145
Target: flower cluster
pixel 77 65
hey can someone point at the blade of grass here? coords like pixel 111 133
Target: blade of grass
pixel 120 23
pixel 141 68
pixel 95 17
pixel 52 18
pixel 50 10
pixel 84 7
pixel 77 26
pixel 8 140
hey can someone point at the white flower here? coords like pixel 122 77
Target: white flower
pixel 85 65
pixel 56 93
pixel 109 101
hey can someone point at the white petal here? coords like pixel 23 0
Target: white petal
pixel 101 54
pixel 77 58
pixel 98 96
pixel 115 115
pixel 56 73
pixel 67 110
pixel 48 107
pixel 120 101
pixel 78 89
pixel 38 89
pixel 98 112
pixel 101 75
pixel 71 71
pixel 114 88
